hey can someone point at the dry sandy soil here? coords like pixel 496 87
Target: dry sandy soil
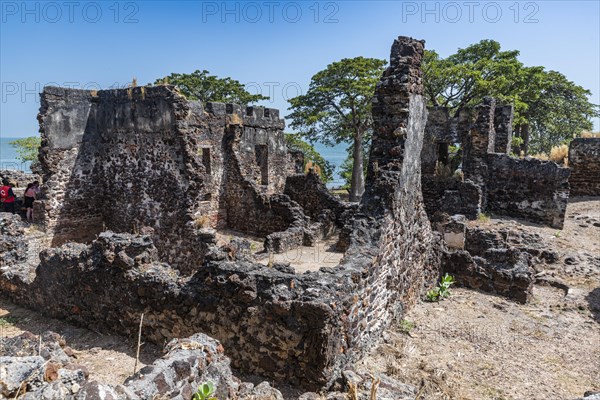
pixel 479 346
pixel 469 346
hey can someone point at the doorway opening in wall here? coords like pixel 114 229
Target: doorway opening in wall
pixel 262 160
pixel 449 159
pixel 206 159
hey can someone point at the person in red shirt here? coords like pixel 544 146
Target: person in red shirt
pixel 7 197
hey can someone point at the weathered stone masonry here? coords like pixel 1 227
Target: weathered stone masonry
pixel 129 160
pixel 301 329
pixel 584 163
pixel 493 181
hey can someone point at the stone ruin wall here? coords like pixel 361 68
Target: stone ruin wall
pixel 129 160
pixel 301 329
pixel 493 181
pixel 584 163
pixel 392 243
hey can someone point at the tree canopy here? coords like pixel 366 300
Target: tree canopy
pixel 27 148
pixel 199 85
pixel 549 109
pixel 337 109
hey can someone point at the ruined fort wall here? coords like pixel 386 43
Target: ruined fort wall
pixel 256 165
pixel 271 321
pixel 145 157
pixel 530 189
pixel 392 246
pixel 72 207
pixel 584 163
pixel 492 181
pixel 122 160
pixel 503 126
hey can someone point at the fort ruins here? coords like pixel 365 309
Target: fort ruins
pixel 140 186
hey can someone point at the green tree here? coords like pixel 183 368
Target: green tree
pixel 347 166
pixel 199 85
pixel 27 148
pixel 337 109
pixel 549 109
pixel 325 168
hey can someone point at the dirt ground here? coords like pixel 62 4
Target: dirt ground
pixel 479 346
pixel 108 358
pixel 469 346
pixel 302 259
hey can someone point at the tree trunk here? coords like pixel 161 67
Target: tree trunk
pixel 525 136
pixel 357 185
pixel 522 131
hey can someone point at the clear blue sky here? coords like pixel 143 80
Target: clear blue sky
pixel 273 46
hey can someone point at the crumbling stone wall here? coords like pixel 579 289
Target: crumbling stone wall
pixel 301 329
pixel 491 180
pixel 392 244
pixel 503 122
pixel 315 199
pixel 272 322
pixel 530 189
pixel 146 158
pixel 452 196
pixel 584 163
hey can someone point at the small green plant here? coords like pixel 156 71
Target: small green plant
pixel 205 392
pixel 406 326
pixel 8 320
pixel 442 290
pixel 557 234
pixel 483 217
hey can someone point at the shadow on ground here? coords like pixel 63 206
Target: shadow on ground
pixel 593 299
pixel 77 338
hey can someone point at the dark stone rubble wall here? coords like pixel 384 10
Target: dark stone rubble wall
pixel 272 322
pixel 503 126
pixel 451 195
pixel 492 181
pixel 146 158
pixel 314 198
pixel 584 163
pixel 391 245
pixel 531 189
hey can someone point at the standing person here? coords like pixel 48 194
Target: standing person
pixel 38 190
pixel 30 196
pixel 7 197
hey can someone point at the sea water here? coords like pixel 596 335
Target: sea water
pixel 9 157
pixel 335 155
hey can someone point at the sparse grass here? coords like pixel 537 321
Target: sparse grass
pixel 202 221
pixel 560 154
pixel 8 320
pixel 483 217
pixel 312 166
pixel 586 134
pixel 406 326
pixel 541 156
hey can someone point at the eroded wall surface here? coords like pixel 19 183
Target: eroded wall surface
pixel 584 163
pixel 146 159
pixel 482 177
pixel 301 329
pixel 392 243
